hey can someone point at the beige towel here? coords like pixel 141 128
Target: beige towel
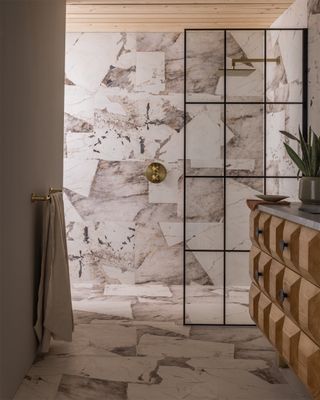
pixel 54 313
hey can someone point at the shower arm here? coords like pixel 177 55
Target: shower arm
pixel 254 60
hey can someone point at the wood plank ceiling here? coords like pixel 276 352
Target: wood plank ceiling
pixel 170 15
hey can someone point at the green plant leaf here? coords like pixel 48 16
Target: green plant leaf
pixel 296 159
pixel 306 155
pixel 289 135
pixel 314 155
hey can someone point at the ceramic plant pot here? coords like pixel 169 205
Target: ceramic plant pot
pixel 309 190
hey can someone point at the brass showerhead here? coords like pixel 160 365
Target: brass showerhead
pixel 245 71
pixel 236 71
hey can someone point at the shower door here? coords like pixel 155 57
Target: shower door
pixel 241 87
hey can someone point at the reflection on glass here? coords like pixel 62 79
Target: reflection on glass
pixel 245 79
pixel 286 117
pixel 284 79
pixel 204 139
pixel 237 212
pixel 204 59
pixel 245 139
pixel 237 289
pixel 204 287
pixel 204 213
pixel 284 186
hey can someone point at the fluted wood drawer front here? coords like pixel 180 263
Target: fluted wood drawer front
pixel 276 273
pixel 289 245
pixel 308 364
pixel 290 340
pixel 254 258
pixel 289 295
pixel 254 227
pixel 254 295
pixel 259 268
pixel 276 236
pixel 260 230
pixel 264 232
pixel 264 307
pixel 276 321
pixel 309 309
pixel 309 254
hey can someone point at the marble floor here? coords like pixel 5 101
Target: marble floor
pixel 144 352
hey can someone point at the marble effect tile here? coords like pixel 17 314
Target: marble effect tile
pixel 151 345
pixel 79 175
pixel 168 361
pixel 117 310
pixel 150 72
pixel 88 388
pixel 135 290
pixel 237 211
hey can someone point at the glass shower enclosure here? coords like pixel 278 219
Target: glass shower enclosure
pixel 241 87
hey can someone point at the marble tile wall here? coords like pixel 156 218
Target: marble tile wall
pixel 314 64
pixel 123 109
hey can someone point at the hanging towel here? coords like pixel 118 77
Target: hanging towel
pixel 54 312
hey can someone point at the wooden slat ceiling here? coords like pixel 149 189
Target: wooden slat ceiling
pixel 170 15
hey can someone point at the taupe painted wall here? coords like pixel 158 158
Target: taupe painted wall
pixel 32 63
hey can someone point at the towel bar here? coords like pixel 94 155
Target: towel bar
pixel 37 197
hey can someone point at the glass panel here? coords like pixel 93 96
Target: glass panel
pixel 204 213
pixel 204 288
pixel 237 289
pixel 204 139
pixel 284 186
pixel 245 139
pixel 205 63
pixel 287 117
pixel 284 77
pixel 237 211
pixel 245 79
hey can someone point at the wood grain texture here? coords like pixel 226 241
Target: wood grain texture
pixel 290 341
pixel 264 307
pixel 264 272
pixel 309 254
pixel 276 320
pixel 264 227
pixel 276 273
pixel 309 309
pixel 276 235
pixel 291 235
pixel 285 293
pixel 253 226
pixel 308 365
pixel 254 258
pixel 170 16
pixel 254 296
pixel 291 287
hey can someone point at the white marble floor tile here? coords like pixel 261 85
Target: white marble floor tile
pixel 36 387
pixel 138 290
pixel 151 345
pixel 96 339
pixel 120 309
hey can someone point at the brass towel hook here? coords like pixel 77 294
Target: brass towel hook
pixel 156 172
pixel 38 197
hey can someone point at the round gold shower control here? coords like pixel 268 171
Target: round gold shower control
pixel 156 172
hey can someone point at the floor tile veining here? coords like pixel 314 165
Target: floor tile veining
pixel 148 354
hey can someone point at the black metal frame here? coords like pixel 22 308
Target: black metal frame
pixel 225 176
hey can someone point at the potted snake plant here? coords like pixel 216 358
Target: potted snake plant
pixel 308 163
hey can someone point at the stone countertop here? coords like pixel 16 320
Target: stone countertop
pixel 293 214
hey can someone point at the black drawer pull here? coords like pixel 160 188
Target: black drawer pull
pixel 257 274
pixel 259 232
pixel 283 245
pixel 282 296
